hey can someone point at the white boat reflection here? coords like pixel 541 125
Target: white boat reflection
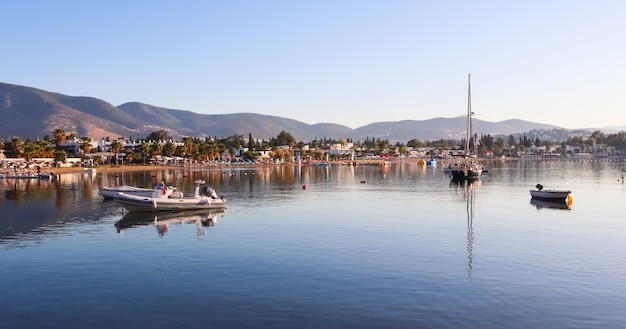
pixel 551 204
pixel 163 220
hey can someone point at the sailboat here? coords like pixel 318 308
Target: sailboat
pixel 468 168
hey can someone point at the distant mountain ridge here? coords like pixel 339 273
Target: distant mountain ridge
pixel 32 113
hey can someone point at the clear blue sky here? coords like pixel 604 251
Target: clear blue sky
pixel 346 62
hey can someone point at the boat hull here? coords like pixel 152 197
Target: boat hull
pixel 550 195
pixel 113 191
pixel 461 172
pixel 138 203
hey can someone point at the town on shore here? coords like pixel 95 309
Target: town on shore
pixel 66 152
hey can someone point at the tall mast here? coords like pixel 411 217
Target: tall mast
pixel 469 115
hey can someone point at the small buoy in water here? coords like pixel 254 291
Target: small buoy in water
pixel 363 181
pixel 304 187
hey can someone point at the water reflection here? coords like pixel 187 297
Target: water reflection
pixel 460 182
pixel 18 190
pixel 293 250
pixel 469 195
pixel 163 220
pixel 540 204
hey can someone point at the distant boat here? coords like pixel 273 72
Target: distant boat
pixel 49 176
pixel 467 168
pixel 432 162
pixel 27 175
pixel 551 195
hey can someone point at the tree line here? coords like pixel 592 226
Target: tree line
pixel 207 148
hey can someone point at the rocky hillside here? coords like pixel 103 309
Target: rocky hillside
pixel 33 113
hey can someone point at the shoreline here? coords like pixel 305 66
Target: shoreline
pixel 124 168
pixel 369 162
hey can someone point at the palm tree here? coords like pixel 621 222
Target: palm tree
pixel 59 156
pixel 85 144
pixel 30 150
pixel 156 149
pixel 37 149
pixel 130 155
pixel 116 147
pixel 59 137
pixel 188 145
pixel 15 147
pixel 145 151
pixel 214 151
pixel 204 150
pixel 169 149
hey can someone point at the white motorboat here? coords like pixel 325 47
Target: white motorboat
pixel 550 194
pixel 205 198
pixel 111 192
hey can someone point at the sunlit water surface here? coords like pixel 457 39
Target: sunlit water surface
pixel 394 246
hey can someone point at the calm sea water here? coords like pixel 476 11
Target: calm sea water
pixel 397 246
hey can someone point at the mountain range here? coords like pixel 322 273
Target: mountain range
pixel 28 112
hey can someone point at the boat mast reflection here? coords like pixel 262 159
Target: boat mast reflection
pixel 469 195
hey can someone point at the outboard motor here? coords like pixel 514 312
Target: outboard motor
pixel 539 187
pixel 208 191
